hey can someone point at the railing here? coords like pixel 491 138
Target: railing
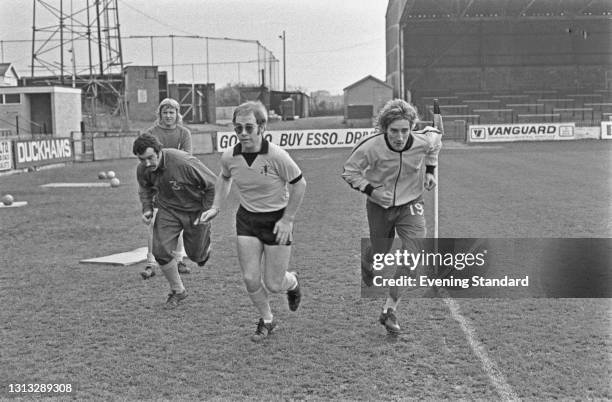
pixel 538 118
pixel 578 113
pixel 495 115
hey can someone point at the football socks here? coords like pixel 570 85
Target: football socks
pixel 260 301
pixel 390 303
pixel 170 271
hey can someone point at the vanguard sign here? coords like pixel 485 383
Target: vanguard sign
pixel 521 132
pixel 42 152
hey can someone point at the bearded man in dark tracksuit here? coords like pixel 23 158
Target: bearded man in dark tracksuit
pixel 171 132
pixel 185 189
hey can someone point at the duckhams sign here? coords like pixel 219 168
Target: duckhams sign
pixel 521 132
pixel 304 139
pixel 42 152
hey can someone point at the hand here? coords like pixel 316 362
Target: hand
pixel 430 129
pixel 283 229
pixel 384 198
pixel 430 181
pixel 147 217
pixel 207 216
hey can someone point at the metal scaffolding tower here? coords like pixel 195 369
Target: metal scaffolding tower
pixel 78 43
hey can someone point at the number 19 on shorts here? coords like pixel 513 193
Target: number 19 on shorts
pixel 416 209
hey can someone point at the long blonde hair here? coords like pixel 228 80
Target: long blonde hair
pixel 169 102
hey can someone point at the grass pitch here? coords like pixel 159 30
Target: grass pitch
pixel 103 329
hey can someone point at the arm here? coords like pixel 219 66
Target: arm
pixel 354 167
pixel 353 171
pixel 146 191
pixel 222 189
pixel 431 156
pixel 186 141
pixel 284 227
pixel 430 180
pixel 202 179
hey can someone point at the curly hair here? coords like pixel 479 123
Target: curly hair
pixel 255 107
pixel 395 109
pixel 144 141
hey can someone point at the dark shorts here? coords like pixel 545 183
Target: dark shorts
pixel 167 228
pixel 407 221
pixel 258 224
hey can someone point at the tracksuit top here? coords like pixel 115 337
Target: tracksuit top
pixel 178 137
pixel 373 164
pixel 181 182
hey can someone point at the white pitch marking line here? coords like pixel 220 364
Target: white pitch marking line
pixel 493 372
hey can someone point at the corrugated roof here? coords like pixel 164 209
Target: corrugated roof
pixel 478 9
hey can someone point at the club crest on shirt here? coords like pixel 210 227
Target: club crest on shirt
pixel 176 186
pixel 265 170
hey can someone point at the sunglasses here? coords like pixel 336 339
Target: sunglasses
pixel 249 128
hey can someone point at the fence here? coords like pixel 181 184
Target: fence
pixel 105 145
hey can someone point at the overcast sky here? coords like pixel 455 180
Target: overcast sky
pixel 330 43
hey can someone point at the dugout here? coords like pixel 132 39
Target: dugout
pixel 301 102
pixel 50 110
pixel 485 48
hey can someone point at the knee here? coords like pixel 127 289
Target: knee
pixel 162 256
pixel 252 281
pixel 163 260
pixel 273 285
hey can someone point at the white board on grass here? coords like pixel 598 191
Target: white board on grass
pixel 123 259
pixel 94 184
pixel 15 204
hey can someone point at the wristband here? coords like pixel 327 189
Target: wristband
pixel 368 189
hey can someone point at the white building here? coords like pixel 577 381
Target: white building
pixel 8 75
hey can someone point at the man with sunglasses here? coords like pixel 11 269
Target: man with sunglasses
pixel 388 168
pixel 169 130
pixel 271 189
pixel 184 190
